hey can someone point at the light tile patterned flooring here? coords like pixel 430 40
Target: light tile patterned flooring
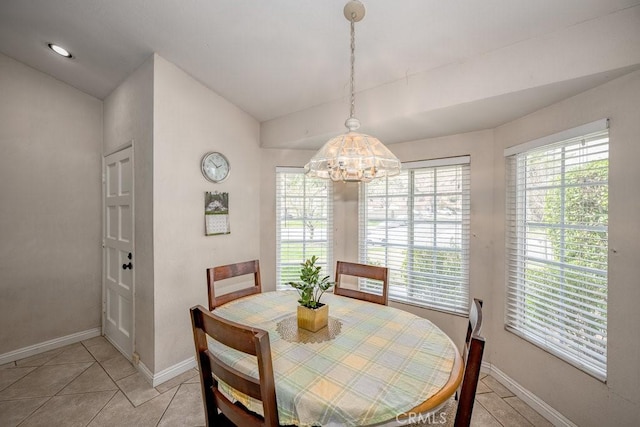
pixel 92 384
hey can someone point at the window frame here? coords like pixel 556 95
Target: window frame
pixel 326 264
pixel 519 239
pixel 400 292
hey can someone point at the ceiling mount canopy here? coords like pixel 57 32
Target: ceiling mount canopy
pixel 352 156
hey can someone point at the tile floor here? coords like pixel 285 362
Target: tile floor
pixel 496 406
pixel 92 384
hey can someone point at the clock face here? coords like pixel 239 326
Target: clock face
pixel 215 167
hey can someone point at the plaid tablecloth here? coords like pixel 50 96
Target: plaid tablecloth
pixel 383 362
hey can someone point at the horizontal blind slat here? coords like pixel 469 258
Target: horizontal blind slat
pixel 417 224
pixel 304 224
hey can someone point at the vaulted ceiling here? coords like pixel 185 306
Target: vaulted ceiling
pixel 424 67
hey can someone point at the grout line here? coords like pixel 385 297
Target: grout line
pixel 488 411
pixel 103 406
pixel 25 375
pixel 73 379
pixel 503 399
pixel 35 410
pixel 127 397
pixel 516 409
pixel 170 402
pixel 83 392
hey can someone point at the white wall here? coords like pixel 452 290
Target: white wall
pixel 190 120
pixel 128 116
pixel 580 397
pixel 50 202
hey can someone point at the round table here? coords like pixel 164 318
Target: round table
pixel 376 363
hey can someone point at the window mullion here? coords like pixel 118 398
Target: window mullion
pixel 434 252
pixel 304 217
pixel 386 221
pixel 563 195
pixel 410 232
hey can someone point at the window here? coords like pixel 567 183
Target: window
pixel 557 231
pixel 417 224
pixel 304 223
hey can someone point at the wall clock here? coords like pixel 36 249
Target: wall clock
pixel 215 167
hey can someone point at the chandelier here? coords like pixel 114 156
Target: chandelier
pixel 352 156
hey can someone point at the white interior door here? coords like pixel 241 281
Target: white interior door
pixel 119 260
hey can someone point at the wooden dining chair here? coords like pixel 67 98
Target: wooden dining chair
pixel 216 274
pixel 474 349
pixel 219 410
pixel 365 271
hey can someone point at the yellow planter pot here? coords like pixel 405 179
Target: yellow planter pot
pixel 313 319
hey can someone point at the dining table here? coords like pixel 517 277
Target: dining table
pixel 371 365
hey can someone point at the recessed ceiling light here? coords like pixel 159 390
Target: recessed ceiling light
pixel 60 50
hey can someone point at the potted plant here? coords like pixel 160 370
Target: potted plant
pixel 312 314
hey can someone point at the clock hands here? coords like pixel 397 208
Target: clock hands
pixel 215 167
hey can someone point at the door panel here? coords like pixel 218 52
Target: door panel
pixel 118 251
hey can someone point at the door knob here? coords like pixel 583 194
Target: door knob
pixel 129 266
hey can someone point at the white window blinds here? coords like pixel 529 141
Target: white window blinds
pixel 417 224
pixel 304 224
pixel 557 231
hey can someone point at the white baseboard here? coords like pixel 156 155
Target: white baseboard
pixel 146 373
pixel 32 350
pixel 542 407
pixel 166 374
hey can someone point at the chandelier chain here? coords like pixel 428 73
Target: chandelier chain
pixel 353 61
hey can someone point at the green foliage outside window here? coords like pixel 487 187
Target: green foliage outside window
pixel 576 212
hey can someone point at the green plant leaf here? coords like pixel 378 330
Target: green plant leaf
pixel 310 287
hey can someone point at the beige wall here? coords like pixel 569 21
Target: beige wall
pixel 580 397
pixel 190 120
pixel 128 116
pixel 50 203
pixel 479 146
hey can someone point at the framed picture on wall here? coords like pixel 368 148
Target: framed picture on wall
pixel 216 213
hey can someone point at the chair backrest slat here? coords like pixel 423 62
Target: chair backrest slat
pixel 234 378
pixel 252 341
pixel 232 412
pixel 373 272
pixel 231 334
pixel 473 352
pixel 223 272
